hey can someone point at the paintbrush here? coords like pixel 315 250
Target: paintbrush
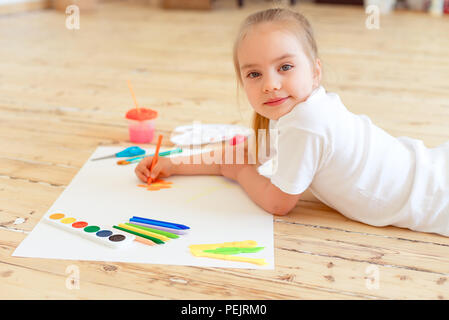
pixel 156 155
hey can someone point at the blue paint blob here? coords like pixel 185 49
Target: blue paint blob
pixel 103 233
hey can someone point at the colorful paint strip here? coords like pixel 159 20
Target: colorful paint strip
pixel 225 251
pixel 92 232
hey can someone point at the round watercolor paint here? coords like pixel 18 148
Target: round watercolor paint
pixel 117 237
pixel 57 216
pixel 68 220
pixel 104 233
pixel 79 224
pixel 91 229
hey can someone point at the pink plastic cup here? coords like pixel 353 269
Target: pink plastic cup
pixel 141 125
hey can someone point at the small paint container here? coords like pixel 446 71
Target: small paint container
pixel 141 123
pixel 95 233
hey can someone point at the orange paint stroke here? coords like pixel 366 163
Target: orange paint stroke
pixel 157 185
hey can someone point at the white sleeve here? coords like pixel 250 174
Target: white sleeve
pixel 297 159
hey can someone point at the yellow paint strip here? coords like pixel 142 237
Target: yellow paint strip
pixel 199 253
pixel 212 246
pixel 197 250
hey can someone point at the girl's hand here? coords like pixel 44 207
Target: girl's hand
pixel 162 169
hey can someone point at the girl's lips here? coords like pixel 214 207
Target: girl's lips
pixel 276 103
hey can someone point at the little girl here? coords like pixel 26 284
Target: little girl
pixel 346 161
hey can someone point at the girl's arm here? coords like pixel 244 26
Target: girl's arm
pixel 185 165
pixel 264 193
pixel 195 165
pixel 259 188
pixel 209 163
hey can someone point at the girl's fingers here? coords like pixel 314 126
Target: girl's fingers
pixel 155 171
pixel 141 176
pixel 142 170
pixel 144 166
pixel 146 172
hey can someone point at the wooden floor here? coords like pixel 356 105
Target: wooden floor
pixel 63 93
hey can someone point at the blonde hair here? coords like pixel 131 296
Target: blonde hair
pixel 292 21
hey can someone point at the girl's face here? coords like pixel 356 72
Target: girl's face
pixel 273 65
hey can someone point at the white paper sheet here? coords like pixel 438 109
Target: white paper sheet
pixel 103 193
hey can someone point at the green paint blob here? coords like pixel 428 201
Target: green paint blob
pixel 91 229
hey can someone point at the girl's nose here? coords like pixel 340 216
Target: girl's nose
pixel 271 83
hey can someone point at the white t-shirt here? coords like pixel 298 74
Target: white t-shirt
pixel 358 169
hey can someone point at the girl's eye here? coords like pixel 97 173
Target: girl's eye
pixel 282 68
pixel 286 65
pixel 249 74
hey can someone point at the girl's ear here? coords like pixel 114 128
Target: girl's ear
pixel 317 73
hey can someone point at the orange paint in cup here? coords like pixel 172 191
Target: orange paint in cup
pixel 141 124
